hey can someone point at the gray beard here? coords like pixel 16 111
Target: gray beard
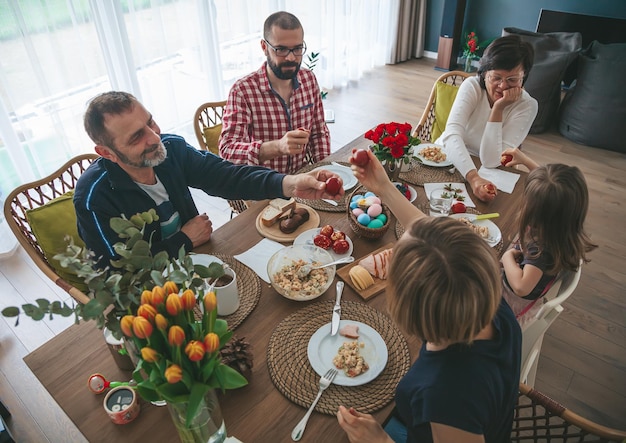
pixel 145 162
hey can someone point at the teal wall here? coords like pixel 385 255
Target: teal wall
pixel 488 17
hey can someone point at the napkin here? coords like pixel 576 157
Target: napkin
pixel 256 257
pixel 504 180
pixel 430 187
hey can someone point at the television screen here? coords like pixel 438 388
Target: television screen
pixel 592 27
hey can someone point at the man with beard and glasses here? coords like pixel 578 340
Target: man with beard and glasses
pixel 274 117
pixel 141 169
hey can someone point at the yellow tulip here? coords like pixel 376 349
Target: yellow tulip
pixel 188 300
pixel 170 287
pixel 126 324
pixel 142 328
pixel 160 321
pixel 146 297
pixel 211 342
pixel 173 374
pixel 149 355
pixel 194 350
pixel 176 336
pixel 210 301
pixel 158 295
pixel 147 311
pixel 173 304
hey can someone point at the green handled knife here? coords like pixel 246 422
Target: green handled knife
pixel 486 216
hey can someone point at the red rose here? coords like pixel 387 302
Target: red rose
pixel 397 152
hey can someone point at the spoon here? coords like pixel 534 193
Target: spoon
pixel 307 268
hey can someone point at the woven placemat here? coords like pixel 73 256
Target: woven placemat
pixel 321 205
pixel 418 174
pixel 249 286
pixel 294 377
pixel 425 208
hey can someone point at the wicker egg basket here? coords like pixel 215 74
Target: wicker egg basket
pixel 364 231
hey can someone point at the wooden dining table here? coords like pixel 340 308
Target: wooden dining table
pixel 258 412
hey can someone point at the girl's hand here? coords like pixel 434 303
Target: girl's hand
pixel 362 428
pixel 519 158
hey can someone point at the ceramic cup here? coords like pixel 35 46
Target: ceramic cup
pixel 440 203
pixel 228 295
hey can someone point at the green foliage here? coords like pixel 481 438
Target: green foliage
pixel 116 290
pixel 311 62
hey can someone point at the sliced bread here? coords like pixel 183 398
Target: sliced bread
pixel 283 205
pixel 270 215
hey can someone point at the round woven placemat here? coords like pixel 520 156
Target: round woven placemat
pixel 294 377
pixel 249 286
pixel 424 208
pixel 419 174
pixel 321 205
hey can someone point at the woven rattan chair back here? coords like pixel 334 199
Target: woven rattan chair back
pixel 38 193
pixel 538 418
pixel 424 128
pixel 209 115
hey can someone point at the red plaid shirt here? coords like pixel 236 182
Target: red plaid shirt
pixel 255 113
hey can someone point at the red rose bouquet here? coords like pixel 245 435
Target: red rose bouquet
pixel 392 142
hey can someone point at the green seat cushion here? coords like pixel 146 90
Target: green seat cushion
pixel 444 98
pixel 212 138
pixel 50 224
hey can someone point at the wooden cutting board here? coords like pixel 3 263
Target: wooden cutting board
pixel 378 286
pixel 274 233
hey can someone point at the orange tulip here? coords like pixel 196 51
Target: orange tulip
pixel 170 287
pixel 147 311
pixel 126 324
pixel 158 295
pixel 211 342
pixel 176 336
pixel 146 297
pixel 173 374
pixel 160 321
pixel 142 328
pixel 188 300
pixel 210 301
pixel 149 355
pixel 194 350
pixel 173 304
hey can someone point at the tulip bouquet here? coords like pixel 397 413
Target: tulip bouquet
pixel 179 354
pixel 392 142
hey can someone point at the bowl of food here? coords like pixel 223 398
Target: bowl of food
pixel 284 271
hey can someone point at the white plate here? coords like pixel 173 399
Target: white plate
pixel 306 238
pixel 204 259
pixel 494 232
pixel 348 178
pixel 447 162
pixel 323 347
pixel 411 190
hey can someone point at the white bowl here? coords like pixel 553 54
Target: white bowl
pixel 284 263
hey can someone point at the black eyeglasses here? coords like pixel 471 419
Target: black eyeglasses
pixel 284 52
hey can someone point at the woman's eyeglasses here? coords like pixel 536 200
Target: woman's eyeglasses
pixel 281 51
pixel 510 81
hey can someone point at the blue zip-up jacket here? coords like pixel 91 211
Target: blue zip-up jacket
pixel 104 191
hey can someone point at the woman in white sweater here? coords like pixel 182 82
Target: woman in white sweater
pixel 491 112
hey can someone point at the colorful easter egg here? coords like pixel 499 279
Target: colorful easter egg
pixel 374 210
pixel 357 212
pixel 375 224
pixel 364 219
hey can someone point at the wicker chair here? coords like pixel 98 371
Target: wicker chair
pixel 424 128
pixel 538 418
pixel 207 116
pixel 38 193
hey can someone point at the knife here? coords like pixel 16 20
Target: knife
pixel 486 216
pixel 334 327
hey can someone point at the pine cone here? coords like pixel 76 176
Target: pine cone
pixel 237 354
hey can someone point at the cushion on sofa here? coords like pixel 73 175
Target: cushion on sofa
pixel 593 111
pixel 554 52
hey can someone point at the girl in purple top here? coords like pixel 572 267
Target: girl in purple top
pixel 551 234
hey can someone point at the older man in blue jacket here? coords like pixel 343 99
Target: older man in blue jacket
pixel 141 169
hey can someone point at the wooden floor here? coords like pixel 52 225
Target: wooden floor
pixel 583 360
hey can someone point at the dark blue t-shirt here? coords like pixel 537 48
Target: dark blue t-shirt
pixel 543 261
pixel 469 387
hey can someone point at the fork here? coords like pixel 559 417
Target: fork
pixel 325 382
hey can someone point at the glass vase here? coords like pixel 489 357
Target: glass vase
pixel 207 426
pixel 468 64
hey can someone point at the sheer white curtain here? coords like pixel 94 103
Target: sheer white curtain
pixel 172 54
